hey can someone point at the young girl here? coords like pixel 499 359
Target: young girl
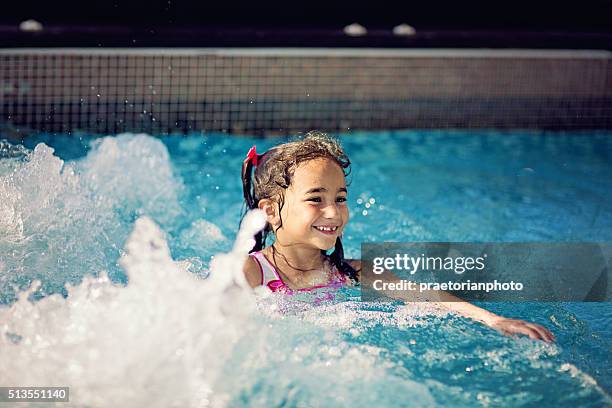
pixel 300 186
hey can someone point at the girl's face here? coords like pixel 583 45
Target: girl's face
pixel 315 210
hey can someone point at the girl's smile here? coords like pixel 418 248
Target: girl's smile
pixel 327 229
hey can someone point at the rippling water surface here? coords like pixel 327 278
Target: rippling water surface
pixel 117 234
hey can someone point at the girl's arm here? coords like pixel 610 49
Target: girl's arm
pixel 252 273
pixel 451 302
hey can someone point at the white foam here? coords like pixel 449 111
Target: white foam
pixel 61 221
pixel 160 341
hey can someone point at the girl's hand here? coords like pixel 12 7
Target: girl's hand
pixel 515 326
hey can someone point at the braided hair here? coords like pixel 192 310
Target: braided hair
pixel 273 175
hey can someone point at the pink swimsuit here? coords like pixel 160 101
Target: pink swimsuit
pixel 271 278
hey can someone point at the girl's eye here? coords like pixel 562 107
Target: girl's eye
pixel 318 199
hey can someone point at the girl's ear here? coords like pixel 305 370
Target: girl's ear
pixel 270 209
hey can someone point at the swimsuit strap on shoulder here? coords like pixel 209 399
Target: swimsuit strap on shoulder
pixel 271 279
pixel 268 272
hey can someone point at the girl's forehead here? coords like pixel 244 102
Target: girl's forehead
pixel 318 173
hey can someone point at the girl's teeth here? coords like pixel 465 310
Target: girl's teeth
pixel 326 229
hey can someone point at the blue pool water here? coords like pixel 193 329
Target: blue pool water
pixel 67 214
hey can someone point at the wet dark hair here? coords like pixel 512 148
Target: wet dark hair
pixel 274 173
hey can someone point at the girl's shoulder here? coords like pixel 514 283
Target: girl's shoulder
pixel 252 272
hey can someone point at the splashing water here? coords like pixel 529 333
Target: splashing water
pixel 94 300
pixel 165 338
pixel 159 341
pixel 62 221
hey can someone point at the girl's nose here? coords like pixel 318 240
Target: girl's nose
pixel 331 211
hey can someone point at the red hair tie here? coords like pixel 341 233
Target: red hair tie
pixel 252 156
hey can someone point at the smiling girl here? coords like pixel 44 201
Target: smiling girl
pixel 301 188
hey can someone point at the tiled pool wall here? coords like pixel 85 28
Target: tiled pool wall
pixel 285 91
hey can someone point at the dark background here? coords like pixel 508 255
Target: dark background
pixel 427 14
pixel 549 24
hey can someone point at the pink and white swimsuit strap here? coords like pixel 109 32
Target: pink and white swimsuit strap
pixel 272 280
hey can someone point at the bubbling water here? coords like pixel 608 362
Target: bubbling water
pixel 136 327
pixel 159 341
pixel 162 336
pixel 61 221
